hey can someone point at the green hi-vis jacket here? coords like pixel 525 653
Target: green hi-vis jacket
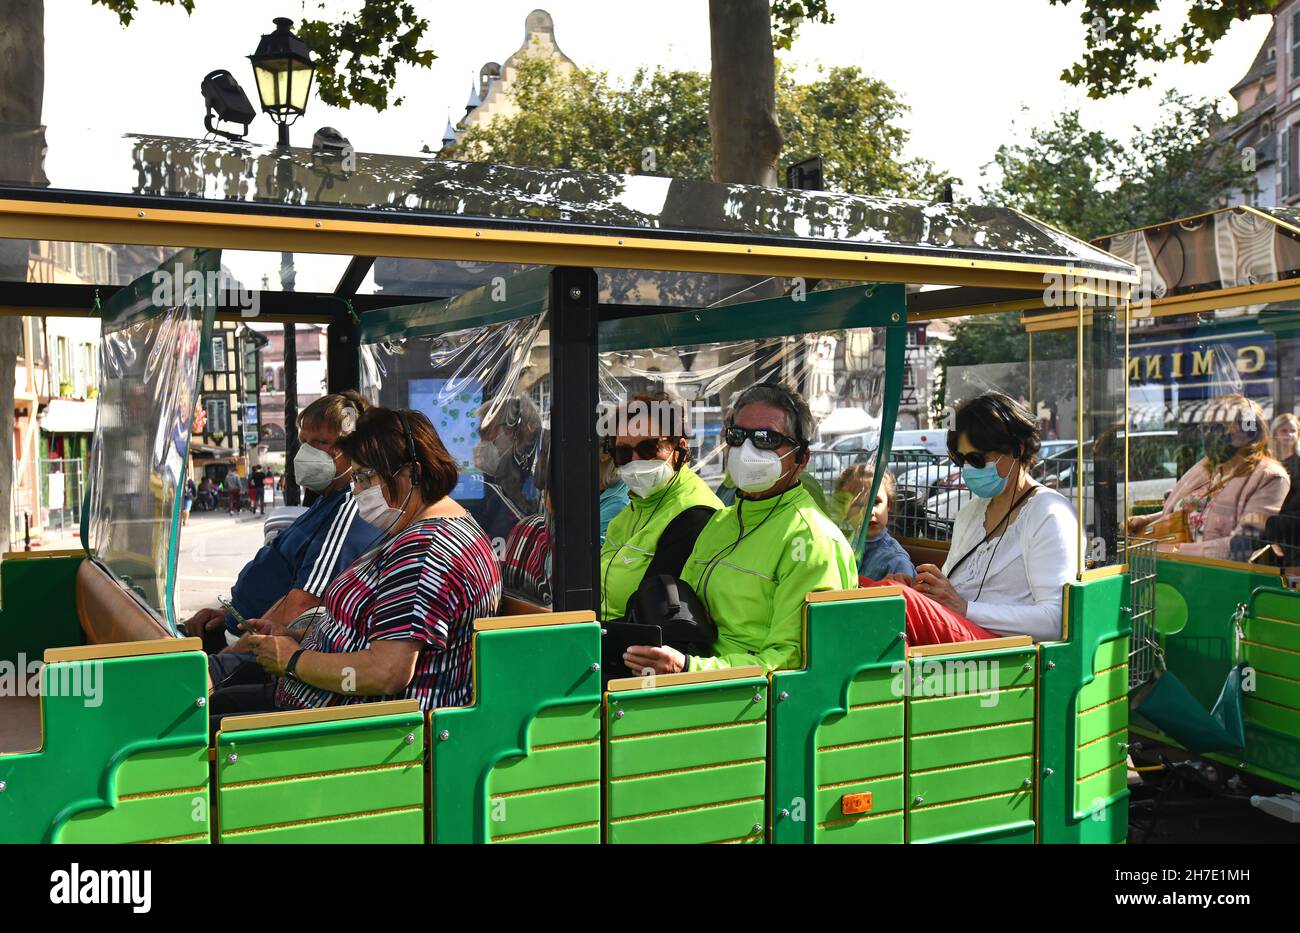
pixel 633 535
pixel 755 589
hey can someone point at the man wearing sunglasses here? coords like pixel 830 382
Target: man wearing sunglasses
pixel 756 561
pixel 668 504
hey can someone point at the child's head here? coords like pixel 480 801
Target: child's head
pixel 849 501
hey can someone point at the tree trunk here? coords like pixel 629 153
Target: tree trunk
pixel 742 93
pixel 22 140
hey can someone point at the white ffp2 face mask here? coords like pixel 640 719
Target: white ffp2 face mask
pixel 646 477
pixel 313 468
pixel 374 509
pixel 753 470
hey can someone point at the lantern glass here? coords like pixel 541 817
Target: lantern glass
pixel 283 84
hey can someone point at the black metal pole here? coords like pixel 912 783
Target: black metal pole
pixel 573 481
pixel 342 360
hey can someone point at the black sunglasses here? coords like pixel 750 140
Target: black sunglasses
pixel 974 458
pixel 763 438
pixel 647 449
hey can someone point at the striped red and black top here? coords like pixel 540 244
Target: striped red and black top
pixel 427 584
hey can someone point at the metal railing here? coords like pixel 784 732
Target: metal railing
pixel 1140 555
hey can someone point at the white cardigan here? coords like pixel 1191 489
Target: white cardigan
pixel 1023 570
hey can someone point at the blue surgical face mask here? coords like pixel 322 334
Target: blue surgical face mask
pixel 984 481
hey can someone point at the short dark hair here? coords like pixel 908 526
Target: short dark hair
pixel 994 422
pixel 380 443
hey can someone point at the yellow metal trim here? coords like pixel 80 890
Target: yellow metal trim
pixel 533 620
pixel 1078 432
pixel 866 592
pixel 300 717
pixel 654 681
pixel 38 220
pixel 964 647
pixel 123 649
pixel 1211 562
pixel 1101 573
pixel 1065 613
pixel 1198 302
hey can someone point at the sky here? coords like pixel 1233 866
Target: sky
pixel 975 74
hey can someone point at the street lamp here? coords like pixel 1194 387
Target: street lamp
pixel 283 67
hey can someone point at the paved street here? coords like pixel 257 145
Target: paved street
pixel 214 546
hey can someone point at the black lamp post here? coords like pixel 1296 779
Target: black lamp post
pixel 283 67
pixel 284 70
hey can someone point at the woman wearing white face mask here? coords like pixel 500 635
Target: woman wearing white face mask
pixel 399 621
pixel 668 504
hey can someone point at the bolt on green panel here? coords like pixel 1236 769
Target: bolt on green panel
pixel 980 709
pixel 680 789
pixel 306 798
pixel 405 826
pixel 871 829
pixel 744 742
pixel 723 823
pixel 945 749
pixel 856 762
pixel 955 821
pixel 973 780
pixel 552 808
pixel 861 724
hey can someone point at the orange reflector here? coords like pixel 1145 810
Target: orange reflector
pixel 856 803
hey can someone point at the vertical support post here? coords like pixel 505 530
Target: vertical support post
pixel 342 349
pixel 573 459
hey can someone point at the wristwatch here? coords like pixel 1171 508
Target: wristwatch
pixel 293 663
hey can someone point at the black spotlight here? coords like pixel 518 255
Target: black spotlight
pixel 226 101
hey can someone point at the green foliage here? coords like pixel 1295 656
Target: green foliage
pixel 1120 37
pixel 658 123
pixel 1090 184
pixel 357 55
pixel 789 15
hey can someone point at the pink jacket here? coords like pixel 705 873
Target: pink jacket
pixel 1261 490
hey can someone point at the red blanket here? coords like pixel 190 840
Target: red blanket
pixel 928 622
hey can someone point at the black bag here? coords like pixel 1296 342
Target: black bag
pixel 671 604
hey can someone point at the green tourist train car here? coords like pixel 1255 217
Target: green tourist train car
pixel 572 290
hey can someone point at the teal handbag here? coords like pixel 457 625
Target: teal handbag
pixel 1171 707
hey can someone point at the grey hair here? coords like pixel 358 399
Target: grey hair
pixel 799 417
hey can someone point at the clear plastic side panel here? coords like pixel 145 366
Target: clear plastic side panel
pixel 840 373
pixel 149 357
pixel 955 360
pixel 1213 422
pixel 487 391
pixel 1102 496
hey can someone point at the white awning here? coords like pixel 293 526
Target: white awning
pixel 848 421
pixel 69 416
